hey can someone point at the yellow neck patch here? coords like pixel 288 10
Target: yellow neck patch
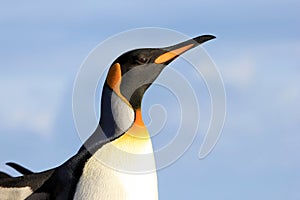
pixel 138 129
pixel 136 139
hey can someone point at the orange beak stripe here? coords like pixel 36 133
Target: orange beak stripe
pixel 170 55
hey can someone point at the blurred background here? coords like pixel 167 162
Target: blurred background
pixel 43 44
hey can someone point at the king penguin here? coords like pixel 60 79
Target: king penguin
pixel 98 170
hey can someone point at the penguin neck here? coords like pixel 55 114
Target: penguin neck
pixel 117 115
pixel 118 167
pixel 117 118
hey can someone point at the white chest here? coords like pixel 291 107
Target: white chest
pixel 14 193
pixel 100 181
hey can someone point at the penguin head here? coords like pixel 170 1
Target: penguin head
pixel 132 73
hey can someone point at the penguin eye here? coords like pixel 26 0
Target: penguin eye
pixel 141 60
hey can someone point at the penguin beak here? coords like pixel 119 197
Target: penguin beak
pixel 178 49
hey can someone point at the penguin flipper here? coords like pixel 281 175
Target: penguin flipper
pixel 33 181
pixel 38 196
pixel 4 175
pixel 19 168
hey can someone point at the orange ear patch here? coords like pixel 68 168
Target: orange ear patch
pixel 114 77
pixel 169 55
pixel 113 80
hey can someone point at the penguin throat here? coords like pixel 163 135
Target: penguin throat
pixel 138 129
pixel 136 98
pixel 118 117
pixel 139 118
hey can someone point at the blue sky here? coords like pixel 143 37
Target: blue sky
pixel 43 44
